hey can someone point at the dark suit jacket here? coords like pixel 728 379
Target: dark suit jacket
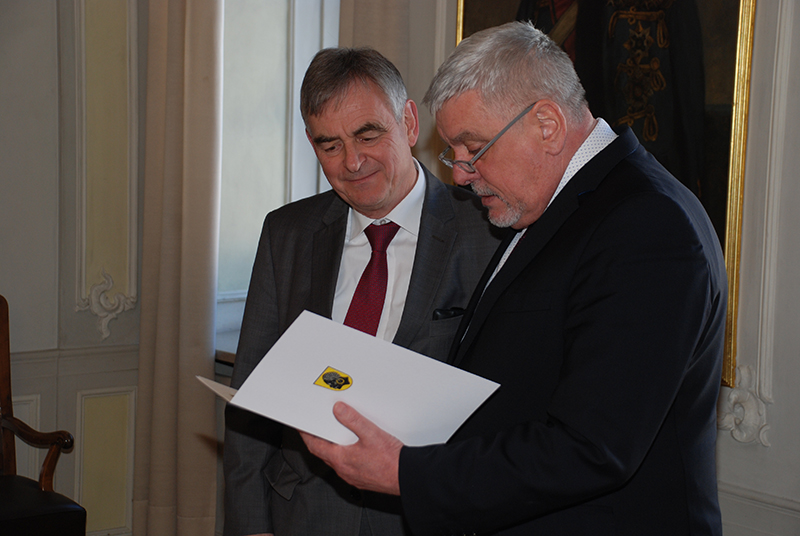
pixel 272 482
pixel 605 330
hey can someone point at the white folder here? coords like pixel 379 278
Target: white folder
pixel 317 362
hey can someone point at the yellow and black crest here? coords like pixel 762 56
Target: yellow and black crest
pixel 334 380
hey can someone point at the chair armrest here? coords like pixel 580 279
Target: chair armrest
pixel 55 442
pixel 35 438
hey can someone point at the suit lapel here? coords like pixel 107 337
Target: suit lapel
pixel 536 237
pixel 524 252
pixel 326 255
pixel 434 248
pixel 466 320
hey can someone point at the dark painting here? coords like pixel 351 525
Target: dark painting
pixel 663 67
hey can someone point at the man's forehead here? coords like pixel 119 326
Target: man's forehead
pixel 325 132
pixel 360 96
pixel 464 131
pixel 465 135
pixel 464 118
pixel 357 110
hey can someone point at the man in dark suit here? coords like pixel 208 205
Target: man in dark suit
pixel 311 256
pixel 602 318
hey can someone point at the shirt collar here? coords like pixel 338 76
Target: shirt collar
pixel 600 137
pixel 406 214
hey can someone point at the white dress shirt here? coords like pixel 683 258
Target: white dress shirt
pixel 399 257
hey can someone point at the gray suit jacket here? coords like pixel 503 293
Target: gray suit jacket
pixel 273 484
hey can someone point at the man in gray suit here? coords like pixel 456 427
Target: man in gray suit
pixel 311 256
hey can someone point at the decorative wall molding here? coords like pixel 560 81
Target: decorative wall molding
pixel 747 511
pixel 741 411
pixel 28 409
pixel 47 363
pixel 774 179
pixel 129 392
pixel 104 306
pixel 98 301
pixel 755 496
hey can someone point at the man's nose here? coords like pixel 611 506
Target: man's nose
pixel 353 159
pixel 463 177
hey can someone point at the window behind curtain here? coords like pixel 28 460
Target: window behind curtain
pixel 266 160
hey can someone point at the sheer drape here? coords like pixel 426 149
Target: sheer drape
pixel 175 456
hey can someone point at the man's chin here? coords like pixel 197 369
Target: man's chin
pixel 503 216
pixel 503 220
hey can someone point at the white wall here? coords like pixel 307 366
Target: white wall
pixel 29 171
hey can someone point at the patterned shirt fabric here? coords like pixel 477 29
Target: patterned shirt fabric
pixel 601 136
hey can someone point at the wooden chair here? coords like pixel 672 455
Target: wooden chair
pixel 28 507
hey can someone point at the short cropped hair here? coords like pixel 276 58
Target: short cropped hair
pixel 334 70
pixel 510 66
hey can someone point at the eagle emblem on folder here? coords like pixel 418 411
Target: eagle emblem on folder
pixel 334 380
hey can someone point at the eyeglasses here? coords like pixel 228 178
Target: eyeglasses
pixel 468 165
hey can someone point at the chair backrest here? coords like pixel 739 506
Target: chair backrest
pixel 8 455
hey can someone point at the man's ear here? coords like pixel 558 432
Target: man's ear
pixel 552 125
pixel 411 122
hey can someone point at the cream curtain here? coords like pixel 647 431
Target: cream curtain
pixel 383 25
pixel 175 450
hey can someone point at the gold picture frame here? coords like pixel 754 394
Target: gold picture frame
pixel 733 228
pixel 477 14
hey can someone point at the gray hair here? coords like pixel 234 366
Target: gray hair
pixel 334 70
pixel 510 66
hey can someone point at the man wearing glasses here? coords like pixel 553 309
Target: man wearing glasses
pixel 603 322
pixel 390 250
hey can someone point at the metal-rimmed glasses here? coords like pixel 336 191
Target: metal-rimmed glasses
pixel 468 165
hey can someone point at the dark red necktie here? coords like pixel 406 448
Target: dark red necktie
pixel 365 310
